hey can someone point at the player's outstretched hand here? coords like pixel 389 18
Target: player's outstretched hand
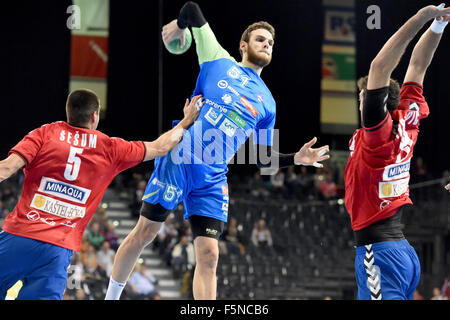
pixel 171 32
pixel 448 187
pixel 308 156
pixel 431 12
pixel 191 109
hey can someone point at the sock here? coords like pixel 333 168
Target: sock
pixel 114 289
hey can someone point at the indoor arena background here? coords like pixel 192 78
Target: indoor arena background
pixel 144 89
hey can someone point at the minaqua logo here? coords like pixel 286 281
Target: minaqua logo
pixel 64 190
pixel 397 171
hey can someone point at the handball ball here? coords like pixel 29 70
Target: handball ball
pixel 174 46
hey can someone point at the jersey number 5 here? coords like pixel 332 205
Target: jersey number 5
pixel 73 164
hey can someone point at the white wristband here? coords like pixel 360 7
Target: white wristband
pixel 438 26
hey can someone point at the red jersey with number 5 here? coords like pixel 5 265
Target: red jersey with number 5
pixel 377 172
pixel 67 172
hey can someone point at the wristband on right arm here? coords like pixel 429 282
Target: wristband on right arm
pixel 190 16
pixel 438 26
pixel 284 160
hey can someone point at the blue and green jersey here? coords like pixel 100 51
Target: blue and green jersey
pixel 237 104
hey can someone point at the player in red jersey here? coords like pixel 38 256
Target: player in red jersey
pixel 68 167
pixel 377 172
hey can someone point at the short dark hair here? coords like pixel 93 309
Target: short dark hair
pixel 254 26
pixel 394 92
pixel 81 103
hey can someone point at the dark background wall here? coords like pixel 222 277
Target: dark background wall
pixel 35 61
pixel 34 67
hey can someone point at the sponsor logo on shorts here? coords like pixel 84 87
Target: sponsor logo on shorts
pixel 225 206
pixel 64 190
pixel 56 207
pixel 228 127
pixel 213 116
pixel 393 189
pixel 158 183
pixel 211 231
pixel 396 171
pixel 150 194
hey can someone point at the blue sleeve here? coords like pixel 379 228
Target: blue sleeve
pixel 264 130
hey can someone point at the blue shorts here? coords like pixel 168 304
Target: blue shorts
pixel 203 191
pixel 41 266
pixel 388 270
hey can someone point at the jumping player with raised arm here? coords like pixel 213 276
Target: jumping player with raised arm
pixel 377 172
pixel 237 103
pixel 68 166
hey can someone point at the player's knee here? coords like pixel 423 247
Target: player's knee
pixel 208 257
pixel 146 232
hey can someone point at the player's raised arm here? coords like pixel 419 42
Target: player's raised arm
pixel 387 59
pixel 170 139
pixel 207 46
pixel 10 165
pixel 424 50
pixel 190 16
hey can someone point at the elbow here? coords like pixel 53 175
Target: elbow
pixel 378 65
pixel 418 65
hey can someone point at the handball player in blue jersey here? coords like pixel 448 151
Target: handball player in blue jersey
pixel 237 104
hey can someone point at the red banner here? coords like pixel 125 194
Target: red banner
pixel 89 57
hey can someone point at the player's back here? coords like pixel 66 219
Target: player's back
pixel 67 171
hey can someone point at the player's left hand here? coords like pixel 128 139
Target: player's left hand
pixel 308 156
pixel 191 109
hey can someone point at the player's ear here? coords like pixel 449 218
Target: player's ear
pixel 94 116
pixel 243 46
